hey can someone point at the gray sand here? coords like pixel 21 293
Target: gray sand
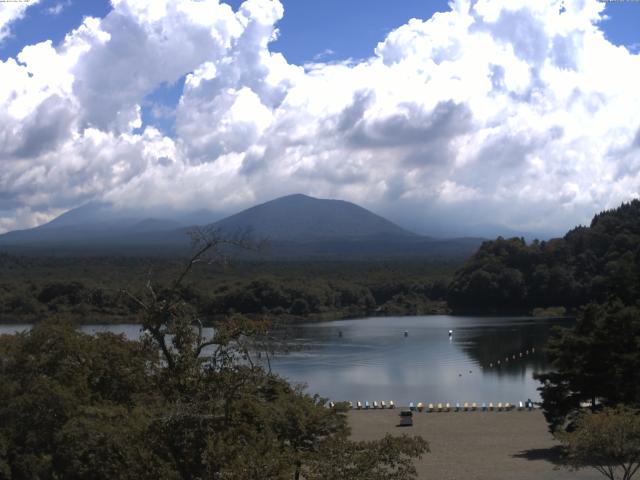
pixel 475 445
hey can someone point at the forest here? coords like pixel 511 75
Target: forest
pixel 91 407
pixel 598 263
pixel 90 290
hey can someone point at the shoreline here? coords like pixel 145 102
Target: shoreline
pixel 475 445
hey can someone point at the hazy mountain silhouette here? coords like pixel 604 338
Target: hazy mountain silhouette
pixel 299 217
pixel 295 227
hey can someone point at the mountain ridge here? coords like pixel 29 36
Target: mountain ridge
pixel 301 217
pixel 296 227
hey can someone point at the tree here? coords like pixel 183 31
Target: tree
pixel 608 441
pixel 175 405
pixel 597 362
pixel 388 459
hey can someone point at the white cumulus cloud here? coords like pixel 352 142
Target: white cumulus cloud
pixel 509 112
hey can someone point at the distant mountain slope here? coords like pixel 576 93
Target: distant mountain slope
pixel 299 217
pixel 296 227
pixel 100 225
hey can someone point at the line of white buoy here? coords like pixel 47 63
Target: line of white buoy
pixel 512 358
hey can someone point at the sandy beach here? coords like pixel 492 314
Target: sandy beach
pixel 475 445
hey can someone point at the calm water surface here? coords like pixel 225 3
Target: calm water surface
pixel 371 359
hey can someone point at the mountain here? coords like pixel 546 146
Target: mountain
pixel 296 227
pixel 299 217
pixel 104 226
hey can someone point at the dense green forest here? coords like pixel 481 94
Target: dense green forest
pixel 598 263
pixel 91 407
pixel 89 289
pixel 589 264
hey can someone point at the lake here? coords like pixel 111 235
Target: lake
pixel 372 359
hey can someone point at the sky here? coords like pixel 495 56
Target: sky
pixel 442 116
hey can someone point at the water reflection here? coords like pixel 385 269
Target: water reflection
pixel 372 359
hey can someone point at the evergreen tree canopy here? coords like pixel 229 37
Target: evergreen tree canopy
pixel 589 264
pixel 596 362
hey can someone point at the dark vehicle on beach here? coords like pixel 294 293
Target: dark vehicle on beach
pixel 406 418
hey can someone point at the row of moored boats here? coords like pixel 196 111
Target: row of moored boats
pixel 444 407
